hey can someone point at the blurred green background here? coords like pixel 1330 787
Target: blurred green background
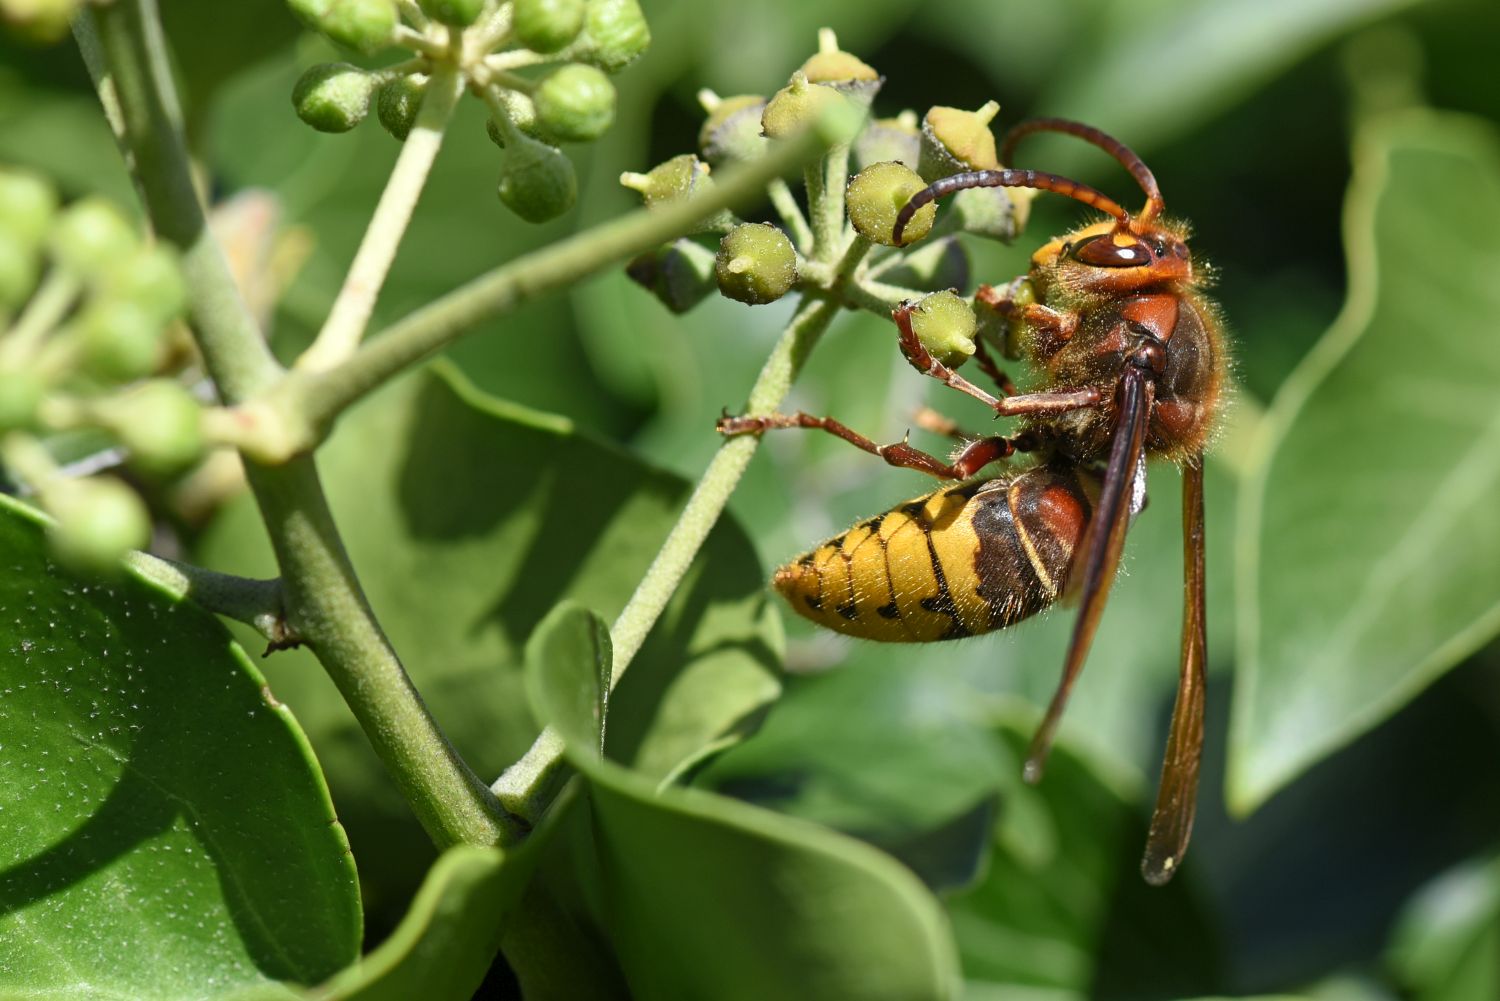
pixel 1367 877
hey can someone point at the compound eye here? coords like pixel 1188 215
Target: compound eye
pixel 1103 252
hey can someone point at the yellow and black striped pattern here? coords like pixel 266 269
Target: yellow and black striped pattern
pixel 959 561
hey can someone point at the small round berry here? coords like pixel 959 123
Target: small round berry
pixel 993 213
pixel 91 235
pixel 18 271
pixel 797 106
pixel 731 132
pixel 98 520
pixel 27 205
pixel 397 103
pixel 151 277
pixel 680 274
pixel 37 22
pixel 547 25
pixel 366 26
pixel 333 97
pixel 460 13
pixel 889 140
pixel 537 181
pixel 121 340
pixel 755 264
pixel 160 423
pixel 21 392
pixel 954 140
pixel 945 325
pixel 877 194
pixel 575 103
pixel 614 34
pixel 522 113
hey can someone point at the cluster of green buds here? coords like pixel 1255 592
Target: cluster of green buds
pixel 542 68
pixel 90 322
pixel 837 240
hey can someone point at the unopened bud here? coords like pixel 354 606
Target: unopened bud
pixel 945 325
pixel 670 181
pixel 846 73
pixel 756 264
pixel 397 104
pixel 993 213
pixel 537 181
pixel 614 34
pixel 877 194
pixel 680 274
pixel 27 206
pixel 91 235
pixel 731 132
pixel 19 267
pixel 151 278
pixel 333 97
pixel 121 340
pixel 889 140
pixel 460 13
pixel 954 140
pixel 575 103
pixel 98 520
pixel 521 113
pixel 160 423
pixel 38 22
pixel 547 25
pixel 797 106
pixel 367 26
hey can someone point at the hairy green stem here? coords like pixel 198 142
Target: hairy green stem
pixel 791 215
pixel 356 299
pixel 298 412
pixel 257 603
pixel 324 603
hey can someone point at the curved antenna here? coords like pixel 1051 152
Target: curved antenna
pixel 1126 156
pixel 1008 178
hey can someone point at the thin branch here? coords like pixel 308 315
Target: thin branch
pixel 356 300
pixel 257 603
pixel 786 206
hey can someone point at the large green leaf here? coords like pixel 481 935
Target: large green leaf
pixel 709 897
pixel 1368 543
pixel 167 832
pixel 468 519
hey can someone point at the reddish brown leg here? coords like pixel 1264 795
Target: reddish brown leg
pixel 975 456
pixel 988 367
pixel 1032 403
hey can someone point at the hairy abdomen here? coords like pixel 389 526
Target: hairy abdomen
pixel 961 560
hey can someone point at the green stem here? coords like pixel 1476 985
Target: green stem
pixel 298 412
pixel 46 309
pixel 323 600
pixel 786 206
pixel 356 299
pixel 257 603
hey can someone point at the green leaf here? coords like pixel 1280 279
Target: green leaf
pixel 468 519
pixel 1447 945
pixel 1369 561
pixel 709 897
pixel 168 833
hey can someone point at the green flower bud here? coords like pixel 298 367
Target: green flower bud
pixel 366 26
pixel 945 325
pixel 27 205
pixel 160 423
pixel 877 194
pixel 18 271
pixel 732 130
pixel 310 12
pixel 90 235
pixel 796 106
pixel 522 114
pixel 21 393
pixel 993 213
pixel 954 140
pixel 844 72
pixel 333 97
pixel 614 34
pixel 680 273
pixel 546 25
pixel 120 340
pixel 677 178
pixel 575 103
pixel 755 264
pixel 150 278
pixel 39 22
pixel 397 102
pixel 937 264
pixel 537 182
pixel 460 13
pixel 98 520
pixel 889 140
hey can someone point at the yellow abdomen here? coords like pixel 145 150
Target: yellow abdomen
pixel 959 561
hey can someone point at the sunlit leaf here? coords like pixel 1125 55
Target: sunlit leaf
pixel 1368 543
pixel 710 897
pixel 167 831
